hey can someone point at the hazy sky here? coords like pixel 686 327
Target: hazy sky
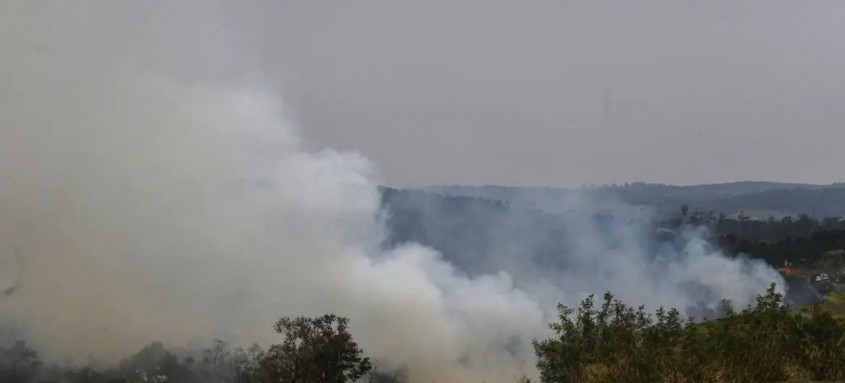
pixel 527 92
pixel 564 93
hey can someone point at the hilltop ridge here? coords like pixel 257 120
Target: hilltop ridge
pixel 756 198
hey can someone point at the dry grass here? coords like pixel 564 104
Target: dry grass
pixel 835 305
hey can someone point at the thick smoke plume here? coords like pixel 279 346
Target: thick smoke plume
pixel 148 191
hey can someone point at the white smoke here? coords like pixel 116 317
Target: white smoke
pixel 147 202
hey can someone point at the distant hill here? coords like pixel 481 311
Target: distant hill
pixel 546 233
pixel 753 197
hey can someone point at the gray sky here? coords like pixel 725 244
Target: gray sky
pixel 564 93
pixel 517 92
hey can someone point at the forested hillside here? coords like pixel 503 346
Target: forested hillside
pixel 469 229
pixel 762 198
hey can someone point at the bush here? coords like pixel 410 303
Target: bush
pixel 766 343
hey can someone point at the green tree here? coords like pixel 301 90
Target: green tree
pixel 768 342
pixel 314 350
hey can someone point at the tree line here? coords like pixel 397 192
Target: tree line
pixel 313 350
pixel 800 241
pixel 607 341
pixel 768 342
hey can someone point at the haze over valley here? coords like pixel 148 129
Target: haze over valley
pixel 227 192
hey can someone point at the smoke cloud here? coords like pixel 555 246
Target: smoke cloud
pixel 149 190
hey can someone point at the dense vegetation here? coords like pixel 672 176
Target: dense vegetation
pixel 467 229
pixel 766 343
pixel 313 350
pixel 606 341
pixel 611 342
pixel 800 242
pixel 780 199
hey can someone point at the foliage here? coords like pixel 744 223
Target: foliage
pixel 314 350
pixel 766 343
pixel 607 341
pixel 834 304
pixel 803 242
pixel 318 350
